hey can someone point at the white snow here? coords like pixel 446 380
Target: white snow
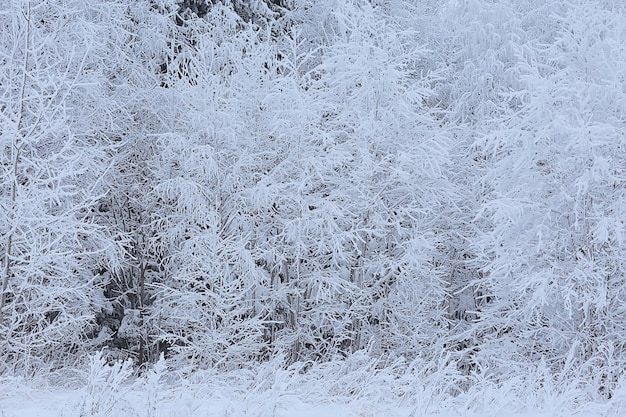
pixel 18 399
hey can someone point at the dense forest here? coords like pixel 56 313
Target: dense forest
pixel 434 185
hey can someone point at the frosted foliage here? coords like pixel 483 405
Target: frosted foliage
pixel 52 168
pixel 292 211
pixel 426 197
pixel 552 232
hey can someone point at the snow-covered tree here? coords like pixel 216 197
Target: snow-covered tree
pixel 54 167
pixel 551 235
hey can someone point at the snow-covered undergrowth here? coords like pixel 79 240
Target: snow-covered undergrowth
pixel 357 386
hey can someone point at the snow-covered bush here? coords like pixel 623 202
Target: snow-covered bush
pixel 105 385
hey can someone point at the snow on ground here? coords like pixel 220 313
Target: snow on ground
pixel 62 403
pixel 198 401
pixel 332 390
